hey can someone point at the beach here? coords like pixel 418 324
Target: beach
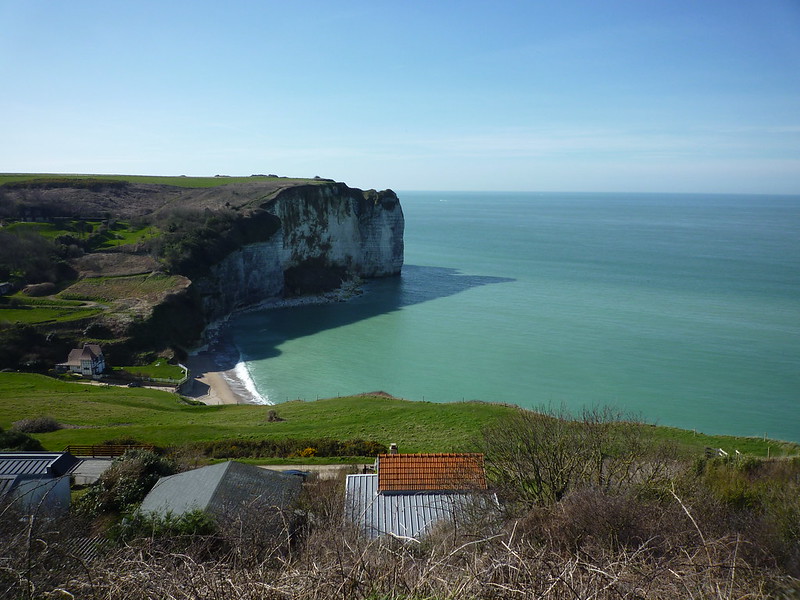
pixel 218 374
pixel 209 384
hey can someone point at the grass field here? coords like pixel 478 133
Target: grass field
pixel 33 315
pixel 106 289
pixel 180 181
pixel 99 413
pixel 21 309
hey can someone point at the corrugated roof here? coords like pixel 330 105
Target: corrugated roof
pixel 406 515
pixel 54 464
pixel 430 472
pixel 221 489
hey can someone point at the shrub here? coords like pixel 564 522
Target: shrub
pixel 147 525
pixel 37 425
pixel 126 482
pixel 17 440
pixel 539 457
pixel 39 289
pixel 286 447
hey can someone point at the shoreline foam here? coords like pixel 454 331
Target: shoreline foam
pixel 216 384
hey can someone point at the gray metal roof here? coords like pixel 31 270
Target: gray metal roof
pixel 222 489
pixel 6 484
pixel 406 514
pixel 53 464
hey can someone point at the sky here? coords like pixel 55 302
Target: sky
pixel 607 96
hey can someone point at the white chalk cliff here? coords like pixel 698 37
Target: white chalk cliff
pixel 326 234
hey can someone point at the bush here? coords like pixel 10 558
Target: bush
pixel 287 447
pixel 39 289
pixel 18 441
pixel 126 482
pixel 539 457
pixel 37 425
pixel 144 525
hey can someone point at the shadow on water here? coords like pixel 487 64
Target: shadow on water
pixel 416 284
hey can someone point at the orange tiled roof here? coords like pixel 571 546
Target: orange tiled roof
pixel 430 472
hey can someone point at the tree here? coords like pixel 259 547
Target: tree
pixel 537 457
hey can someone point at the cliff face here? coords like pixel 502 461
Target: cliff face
pixel 327 233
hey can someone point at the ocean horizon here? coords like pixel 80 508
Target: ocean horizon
pixel 678 309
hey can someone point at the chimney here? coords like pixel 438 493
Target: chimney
pixel 393 448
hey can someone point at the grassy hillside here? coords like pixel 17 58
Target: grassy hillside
pixel 103 412
pixel 98 413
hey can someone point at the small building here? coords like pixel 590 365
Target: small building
pixel 87 361
pixel 6 287
pixel 225 490
pixel 409 493
pixel 37 482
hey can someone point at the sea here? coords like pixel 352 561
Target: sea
pixel 676 309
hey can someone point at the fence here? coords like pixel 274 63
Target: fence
pixel 105 450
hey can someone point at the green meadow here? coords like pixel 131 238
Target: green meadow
pixel 95 413
pixel 32 311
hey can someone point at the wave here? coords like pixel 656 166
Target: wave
pixel 243 381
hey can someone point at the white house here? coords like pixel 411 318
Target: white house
pixel 88 361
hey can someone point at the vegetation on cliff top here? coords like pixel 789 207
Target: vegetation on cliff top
pixel 63 236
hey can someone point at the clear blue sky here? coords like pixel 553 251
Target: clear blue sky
pixel 675 95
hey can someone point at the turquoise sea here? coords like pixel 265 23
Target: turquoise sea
pixel 681 309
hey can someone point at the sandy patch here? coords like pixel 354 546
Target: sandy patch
pixel 208 385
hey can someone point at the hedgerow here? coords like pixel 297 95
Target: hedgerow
pixel 286 448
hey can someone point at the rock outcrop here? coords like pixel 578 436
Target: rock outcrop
pixel 327 234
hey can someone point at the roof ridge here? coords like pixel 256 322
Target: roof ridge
pixel 224 470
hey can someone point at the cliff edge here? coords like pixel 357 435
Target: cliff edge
pixel 153 262
pixel 321 235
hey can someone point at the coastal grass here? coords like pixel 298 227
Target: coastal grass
pixel 93 414
pixel 178 181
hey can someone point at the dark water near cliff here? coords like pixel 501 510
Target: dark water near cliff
pixel 684 309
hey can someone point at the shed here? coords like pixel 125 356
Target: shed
pixel 411 492
pixel 37 481
pixel 224 490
